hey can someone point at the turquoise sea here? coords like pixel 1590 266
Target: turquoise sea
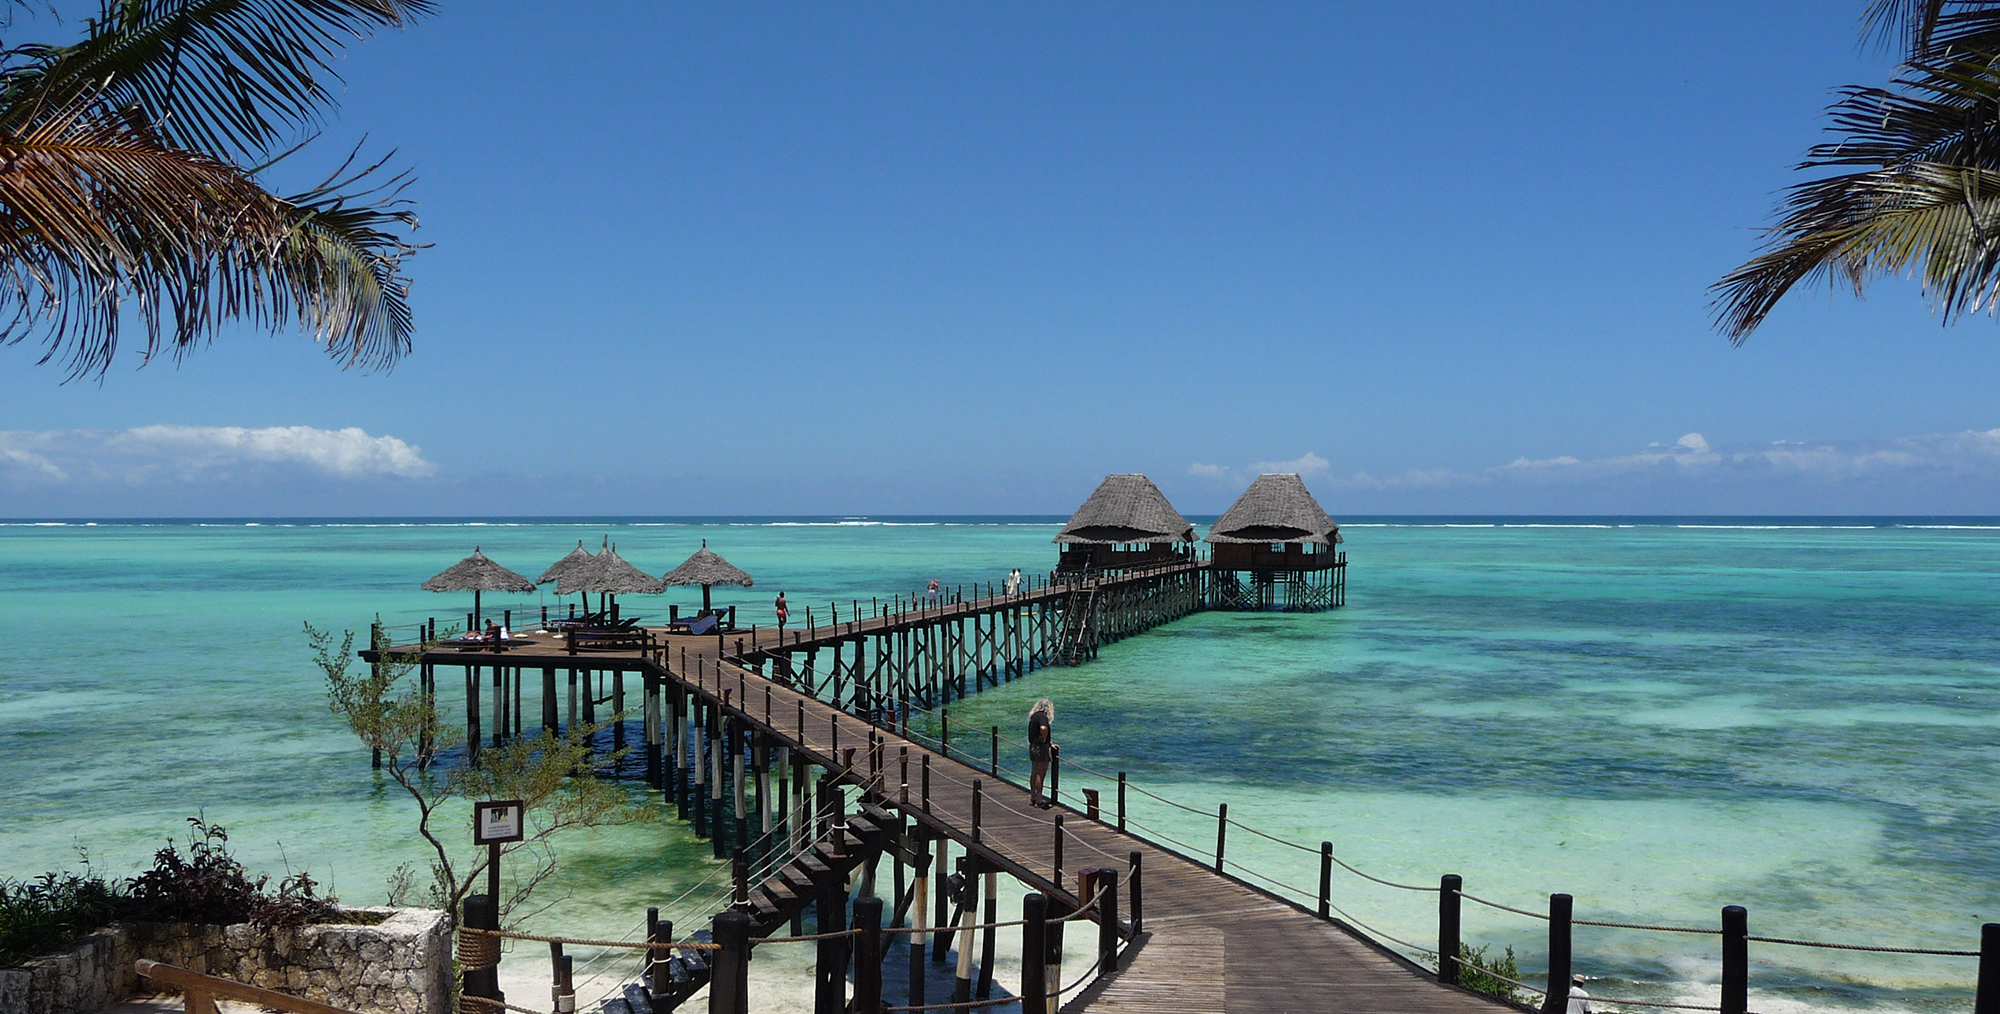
pixel 1660 716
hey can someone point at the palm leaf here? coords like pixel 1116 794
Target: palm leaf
pixel 229 77
pixel 102 224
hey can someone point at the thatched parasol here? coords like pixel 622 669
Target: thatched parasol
pixel 476 574
pixel 608 574
pixel 705 568
pixel 578 559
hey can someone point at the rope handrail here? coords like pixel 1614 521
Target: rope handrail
pixel 1863 947
pixel 1659 928
pixel 1543 916
pixel 637 945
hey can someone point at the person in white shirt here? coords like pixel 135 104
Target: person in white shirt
pixel 1579 1001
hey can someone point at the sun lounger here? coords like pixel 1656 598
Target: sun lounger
pixel 695 625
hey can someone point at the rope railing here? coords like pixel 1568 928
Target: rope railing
pixel 1863 947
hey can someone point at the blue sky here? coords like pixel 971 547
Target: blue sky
pixel 744 258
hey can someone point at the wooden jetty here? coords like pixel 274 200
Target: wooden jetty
pixel 1206 940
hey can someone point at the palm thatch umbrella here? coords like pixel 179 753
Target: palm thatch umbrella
pixel 608 574
pixel 577 559
pixel 476 574
pixel 705 568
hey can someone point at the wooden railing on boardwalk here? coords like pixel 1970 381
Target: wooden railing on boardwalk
pixel 201 991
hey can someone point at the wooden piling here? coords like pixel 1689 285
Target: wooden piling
pixel 1987 999
pixel 1557 999
pixel 1736 961
pixel 729 988
pixel 1107 921
pixel 1450 887
pixel 1132 887
pixel 868 955
pixel 1034 953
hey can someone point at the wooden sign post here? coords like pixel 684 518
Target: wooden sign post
pixel 495 823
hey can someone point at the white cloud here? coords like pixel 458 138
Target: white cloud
pixel 1967 455
pixel 145 453
pixel 1306 464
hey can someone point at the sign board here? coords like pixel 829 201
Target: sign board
pixel 497 822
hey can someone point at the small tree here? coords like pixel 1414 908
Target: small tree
pixel 553 775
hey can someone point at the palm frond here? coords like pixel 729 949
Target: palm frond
pixel 229 77
pixel 1926 29
pixel 102 224
pixel 1939 224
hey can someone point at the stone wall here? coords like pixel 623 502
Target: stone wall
pixel 399 965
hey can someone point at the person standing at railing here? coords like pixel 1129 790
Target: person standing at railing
pixel 1041 746
pixel 1579 1001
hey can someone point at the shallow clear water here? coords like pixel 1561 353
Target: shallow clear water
pixel 1657 717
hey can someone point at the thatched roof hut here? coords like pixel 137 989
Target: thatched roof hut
pixel 1126 509
pixel 477 573
pixel 705 568
pixel 1276 508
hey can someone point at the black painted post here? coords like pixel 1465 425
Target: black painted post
pixel 944 731
pixel 1034 954
pixel 1449 887
pixel 1221 833
pixel 978 795
pixel 1138 907
pixel 1059 844
pixel 993 767
pixel 987 936
pixel 482 914
pixel 729 991
pixel 1736 959
pixel 927 783
pixel 1121 800
pixel 1557 1000
pixel 1107 921
pixel 1987 1000
pixel 1055 773
pixel 653 960
pixel 830 996
pixel 868 955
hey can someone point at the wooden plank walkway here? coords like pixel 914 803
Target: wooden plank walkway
pixel 1223 945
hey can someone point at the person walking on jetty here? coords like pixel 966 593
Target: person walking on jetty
pixel 1579 1001
pixel 783 612
pixel 1041 747
pixel 1014 582
pixel 931 592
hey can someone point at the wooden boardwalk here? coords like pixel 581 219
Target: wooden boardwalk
pixel 1210 942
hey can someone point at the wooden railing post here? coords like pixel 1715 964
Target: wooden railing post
pixel 1221 833
pixel 1107 921
pixel 1449 886
pixel 1138 905
pixel 978 795
pixel 1034 954
pixel 868 955
pixel 729 991
pixel 1059 844
pixel 1121 800
pixel 481 979
pixel 1326 880
pixel 1736 959
pixel 1987 1000
pixel 1557 1000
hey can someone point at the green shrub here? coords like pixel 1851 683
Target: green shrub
pixel 1481 974
pixel 204 885
pixel 51 912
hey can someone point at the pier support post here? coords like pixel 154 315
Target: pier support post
pixel 1557 1000
pixel 729 991
pixel 549 712
pixel 1034 954
pixel 1449 887
pixel 1987 1000
pixel 868 955
pixel 1736 960
pixel 919 919
pixel 830 992
pixel 986 941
